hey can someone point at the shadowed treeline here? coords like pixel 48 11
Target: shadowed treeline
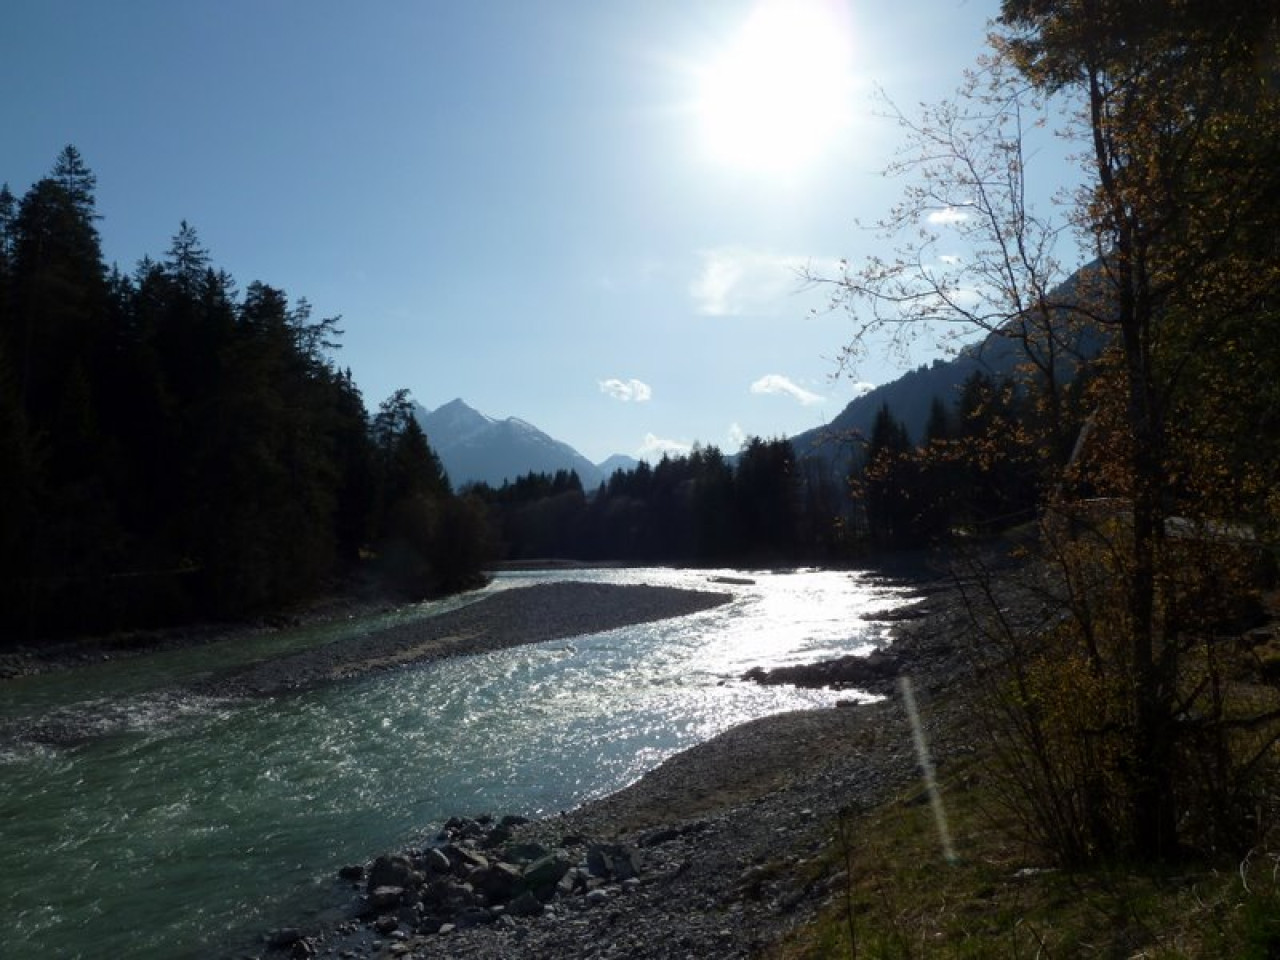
pixel 172 447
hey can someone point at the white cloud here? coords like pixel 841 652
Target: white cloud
pixel 627 391
pixel 737 437
pixel 862 387
pixel 776 383
pixel 947 216
pixel 654 447
pixel 734 280
pixel 950 259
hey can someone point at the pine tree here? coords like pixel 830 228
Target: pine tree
pixel 78 182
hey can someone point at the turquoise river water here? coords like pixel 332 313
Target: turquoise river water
pixel 185 827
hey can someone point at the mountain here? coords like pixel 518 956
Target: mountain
pixel 475 448
pixel 910 396
pixel 619 461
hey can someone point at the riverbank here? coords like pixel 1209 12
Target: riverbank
pixel 523 615
pixel 31 659
pixel 713 854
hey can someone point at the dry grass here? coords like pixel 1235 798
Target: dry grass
pixel 894 896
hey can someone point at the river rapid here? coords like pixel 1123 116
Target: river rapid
pixel 178 826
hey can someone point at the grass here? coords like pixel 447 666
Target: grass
pixel 894 896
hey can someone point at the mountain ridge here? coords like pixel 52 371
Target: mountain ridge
pixel 910 396
pixel 477 448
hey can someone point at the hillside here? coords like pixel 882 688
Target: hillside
pixel 910 396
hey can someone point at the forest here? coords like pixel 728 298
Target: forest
pixel 975 471
pixel 174 448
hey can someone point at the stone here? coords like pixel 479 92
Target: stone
pixel 385 898
pixel 429 925
pixel 524 852
pixel 435 861
pixel 458 895
pixel 525 905
pixel 463 859
pixel 390 871
pixel 568 883
pixel 385 924
pixel 612 860
pixel 597 897
pixel 625 864
pixel 498 881
pixel 543 874
pixel 353 872
pixel 472 917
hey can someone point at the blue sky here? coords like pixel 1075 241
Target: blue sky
pixel 555 210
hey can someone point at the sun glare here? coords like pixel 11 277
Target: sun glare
pixel 776 95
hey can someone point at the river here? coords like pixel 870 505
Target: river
pixel 184 827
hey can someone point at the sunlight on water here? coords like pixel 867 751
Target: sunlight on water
pixel 197 824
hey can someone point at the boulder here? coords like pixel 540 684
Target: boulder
pixel 612 861
pixel 496 837
pixel 525 905
pixel 472 917
pixel 463 859
pixel 390 871
pixel 458 895
pixel 435 861
pixel 385 897
pixel 498 881
pixel 541 876
pixel 524 852
pixel 429 924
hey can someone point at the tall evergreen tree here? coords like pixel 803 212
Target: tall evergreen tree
pixel 77 181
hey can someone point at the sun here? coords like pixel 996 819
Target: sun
pixel 774 98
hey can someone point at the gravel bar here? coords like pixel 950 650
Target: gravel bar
pixel 508 618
